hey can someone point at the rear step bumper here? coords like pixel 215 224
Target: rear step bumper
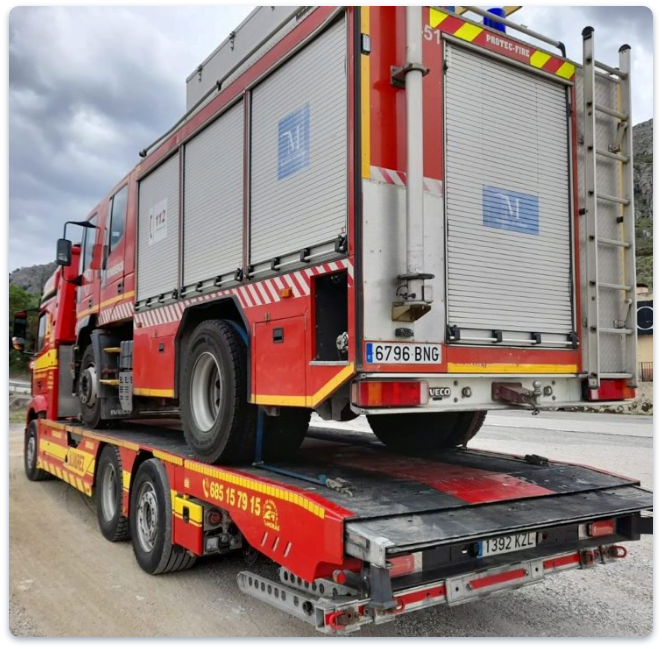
pixel 343 614
pixel 374 540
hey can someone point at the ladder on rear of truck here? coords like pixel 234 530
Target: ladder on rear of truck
pixel 599 205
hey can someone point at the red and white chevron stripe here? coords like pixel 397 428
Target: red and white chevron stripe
pixel 399 178
pixel 119 311
pixel 250 295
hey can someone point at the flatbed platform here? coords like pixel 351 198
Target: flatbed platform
pixel 344 507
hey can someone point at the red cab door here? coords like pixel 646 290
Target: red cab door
pixel 87 295
pixel 113 270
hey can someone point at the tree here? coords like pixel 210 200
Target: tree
pixel 20 300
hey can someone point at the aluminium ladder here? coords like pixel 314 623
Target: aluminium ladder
pixel 597 203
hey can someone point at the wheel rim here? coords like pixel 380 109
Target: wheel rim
pixel 87 391
pixel 109 492
pixel 206 384
pixel 31 451
pixel 147 517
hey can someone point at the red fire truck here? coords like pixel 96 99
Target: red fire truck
pixel 397 212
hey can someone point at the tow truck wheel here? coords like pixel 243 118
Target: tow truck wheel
pixel 219 423
pixel 430 431
pixel 30 455
pixel 108 490
pixel 88 391
pixel 151 522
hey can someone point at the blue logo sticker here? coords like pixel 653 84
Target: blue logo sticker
pixel 507 210
pixel 294 142
pixel 368 353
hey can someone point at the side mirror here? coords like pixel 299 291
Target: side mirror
pixel 19 330
pixel 63 254
pixel 18 343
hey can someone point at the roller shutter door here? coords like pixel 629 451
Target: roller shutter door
pixel 299 150
pixel 158 231
pixel 508 205
pixel 214 199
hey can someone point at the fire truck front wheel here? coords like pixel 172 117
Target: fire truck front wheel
pixel 219 423
pixel 88 390
pixel 430 431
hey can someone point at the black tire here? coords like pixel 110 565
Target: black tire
pixel 150 519
pixel 90 412
pixel 30 449
pixel 108 495
pixel 219 423
pixel 430 431
pixel 284 434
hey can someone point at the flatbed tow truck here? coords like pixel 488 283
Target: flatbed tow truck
pixel 360 534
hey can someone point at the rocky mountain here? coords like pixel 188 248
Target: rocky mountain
pixel 32 278
pixel 642 136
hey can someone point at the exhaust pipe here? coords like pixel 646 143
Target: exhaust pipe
pixel 414 297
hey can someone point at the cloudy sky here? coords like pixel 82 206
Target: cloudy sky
pixel 90 86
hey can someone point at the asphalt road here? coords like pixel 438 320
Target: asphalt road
pixel 66 580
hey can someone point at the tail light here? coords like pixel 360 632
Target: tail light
pixel 601 528
pixel 385 394
pixel 612 390
pixel 403 565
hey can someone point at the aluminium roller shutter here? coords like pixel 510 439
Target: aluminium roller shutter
pixel 508 204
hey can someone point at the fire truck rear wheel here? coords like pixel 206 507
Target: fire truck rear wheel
pixel 108 491
pixel 420 432
pixel 30 454
pixel 150 519
pixel 284 434
pixel 219 423
pixel 88 390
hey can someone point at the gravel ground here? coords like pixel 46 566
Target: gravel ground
pixel 59 563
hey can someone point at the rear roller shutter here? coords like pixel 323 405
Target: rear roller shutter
pixel 508 204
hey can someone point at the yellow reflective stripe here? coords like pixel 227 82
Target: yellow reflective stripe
pixel 126 479
pixel 259 487
pixel 308 402
pixel 168 457
pixel 334 383
pixel 53 449
pixel 511 368
pixel 112 300
pixel 154 392
pixel 468 32
pixel 45 361
pixel 567 70
pixel 538 59
pixel 194 510
pixel 117 298
pixel 437 17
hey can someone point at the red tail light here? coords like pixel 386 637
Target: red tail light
pixel 602 528
pixel 612 390
pixel 385 394
pixel 404 565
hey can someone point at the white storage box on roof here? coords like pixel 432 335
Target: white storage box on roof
pixel 239 45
